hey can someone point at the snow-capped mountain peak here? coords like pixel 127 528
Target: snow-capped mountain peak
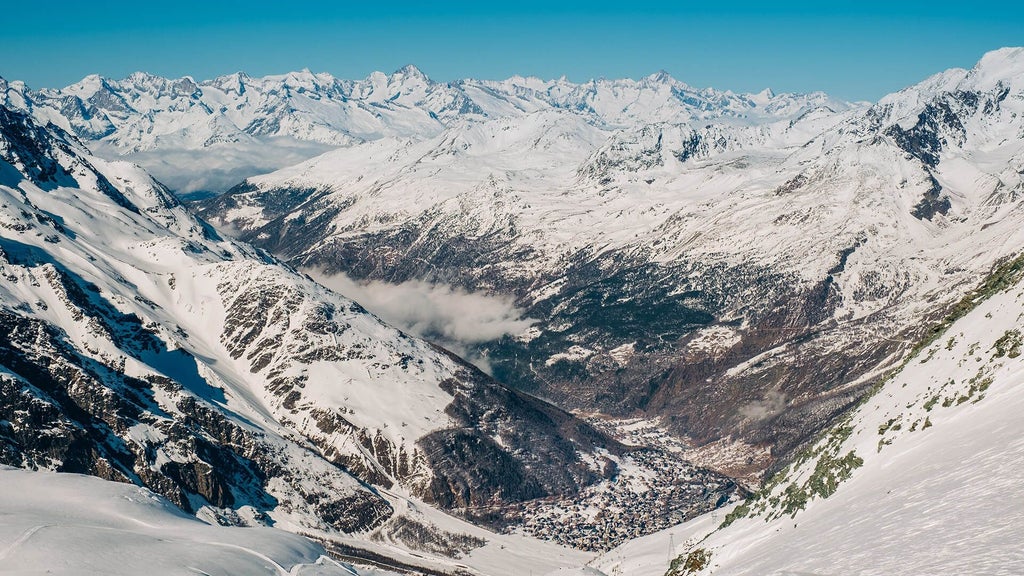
pixel 1002 66
pixel 660 77
pixel 233 83
pixel 14 95
pixel 412 72
pixel 998 74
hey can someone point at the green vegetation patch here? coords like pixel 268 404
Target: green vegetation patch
pixel 1008 344
pixel 794 499
pixel 830 472
pixel 893 424
pixel 738 512
pixel 692 563
pixel 1004 276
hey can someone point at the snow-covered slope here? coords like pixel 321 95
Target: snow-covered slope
pixel 682 270
pixel 209 135
pixel 137 345
pixel 922 478
pixel 72 524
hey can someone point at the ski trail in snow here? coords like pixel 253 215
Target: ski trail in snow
pixel 280 569
pixel 344 567
pixel 21 540
pixel 32 531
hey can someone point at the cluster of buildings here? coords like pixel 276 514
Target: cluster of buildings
pixel 653 489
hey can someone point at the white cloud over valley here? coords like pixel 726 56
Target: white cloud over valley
pixel 449 316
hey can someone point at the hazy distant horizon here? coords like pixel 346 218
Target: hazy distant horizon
pixel 852 50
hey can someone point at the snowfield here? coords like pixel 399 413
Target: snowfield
pixel 71 524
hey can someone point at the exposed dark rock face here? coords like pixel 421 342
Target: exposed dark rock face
pixel 533 447
pixel 701 144
pixel 932 203
pixel 278 202
pixel 64 411
pixel 925 140
pixel 25 145
pixel 939 126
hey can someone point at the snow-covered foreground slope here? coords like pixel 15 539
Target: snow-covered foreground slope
pixel 138 345
pixel 744 282
pixel 209 135
pixel 72 524
pixel 922 478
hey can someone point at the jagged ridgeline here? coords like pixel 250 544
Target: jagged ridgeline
pixel 203 136
pixel 138 345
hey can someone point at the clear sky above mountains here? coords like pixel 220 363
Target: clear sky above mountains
pixel 853 50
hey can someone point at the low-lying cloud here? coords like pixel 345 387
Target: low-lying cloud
pixel 772 403
pixel 449 316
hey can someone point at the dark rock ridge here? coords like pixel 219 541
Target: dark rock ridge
pixel 37 152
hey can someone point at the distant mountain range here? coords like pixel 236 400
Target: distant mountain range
pixel 209 135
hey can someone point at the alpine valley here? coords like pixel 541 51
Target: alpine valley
pixel 305 325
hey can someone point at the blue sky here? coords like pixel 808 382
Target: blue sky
pixel 853 50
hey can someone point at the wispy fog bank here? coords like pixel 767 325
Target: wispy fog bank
pixel 448 316
pixel 772 403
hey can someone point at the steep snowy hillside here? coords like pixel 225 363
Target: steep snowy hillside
pixel 209 135
pixel 71 524
pixel 139 346
pixel 922 478
pixel 743 282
